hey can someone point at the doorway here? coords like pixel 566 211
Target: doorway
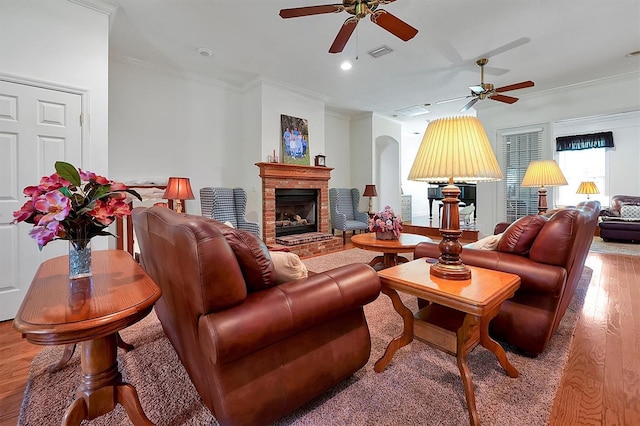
pixel 38 126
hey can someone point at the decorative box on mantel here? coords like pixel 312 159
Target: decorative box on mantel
pixel 290 176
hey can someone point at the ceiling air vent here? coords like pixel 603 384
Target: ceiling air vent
pixel 379 51
pixel 412 111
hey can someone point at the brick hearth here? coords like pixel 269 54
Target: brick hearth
pixel 287 176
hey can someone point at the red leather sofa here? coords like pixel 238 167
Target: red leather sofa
pixel 548 253
pixel 254 350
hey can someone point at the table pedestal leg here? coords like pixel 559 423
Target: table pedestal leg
pixel 407 332
pixel 71 348
pixel 102 386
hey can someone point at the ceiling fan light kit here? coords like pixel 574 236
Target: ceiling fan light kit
pixel 359 9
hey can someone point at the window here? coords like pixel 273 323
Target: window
pixel 578 166
pixel 519 150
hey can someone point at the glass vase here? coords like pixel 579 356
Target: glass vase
pixel 79 259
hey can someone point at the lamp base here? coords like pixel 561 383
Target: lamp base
pixel 449 265
pixel 542 200
pixel 459 272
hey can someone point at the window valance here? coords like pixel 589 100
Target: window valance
pixel 578 142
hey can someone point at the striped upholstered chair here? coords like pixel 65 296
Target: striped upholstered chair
pixel 344 214
pixel 227 205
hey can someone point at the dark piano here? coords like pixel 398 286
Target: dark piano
pixel 467 195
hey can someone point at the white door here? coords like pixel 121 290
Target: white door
pixel 37 128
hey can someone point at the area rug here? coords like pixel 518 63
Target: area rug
pixel 600 246
pixel 420 386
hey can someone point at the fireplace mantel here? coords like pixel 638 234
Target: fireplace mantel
pixel 289 171
pixel 282 176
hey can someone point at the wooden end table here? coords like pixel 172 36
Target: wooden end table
pixel 406 243
pixel 57 311
pixel 457 318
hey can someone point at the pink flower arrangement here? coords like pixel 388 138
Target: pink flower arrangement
pixel 72 205
pixel 386 220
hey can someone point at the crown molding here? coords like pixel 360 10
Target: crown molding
pixel 102 6
pixel 264 81
pixel 172 72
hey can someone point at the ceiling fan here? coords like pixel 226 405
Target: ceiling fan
pixel 487 91
pixel 359 9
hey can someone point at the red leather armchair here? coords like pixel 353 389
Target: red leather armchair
pixel 549 263
pixel 254 351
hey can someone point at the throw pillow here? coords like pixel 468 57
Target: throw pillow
pixel 288 266
pixel 486 243
pixel 520 235
pixel 252 255
pixel 630 211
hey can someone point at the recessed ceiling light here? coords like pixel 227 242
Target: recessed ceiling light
pixel 631 54
pixel 203 51
pixel 346 65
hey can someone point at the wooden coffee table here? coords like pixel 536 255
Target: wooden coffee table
pixel 457 318
pixel 57 311
pixel 406 243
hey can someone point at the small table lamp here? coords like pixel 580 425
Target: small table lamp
pixel 587 187
pixel 370 191
pixel 179 189
pixel 543 173
pixel 454 149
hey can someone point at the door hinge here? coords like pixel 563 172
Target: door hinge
pixel 81 119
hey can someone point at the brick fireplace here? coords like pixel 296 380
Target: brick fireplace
pixel 289 176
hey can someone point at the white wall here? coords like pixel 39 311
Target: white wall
pixel 64 44
pixel 337 146
pixel 362 157
pixel 165 124
pixel 607 96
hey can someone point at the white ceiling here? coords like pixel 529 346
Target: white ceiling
pixel 555 43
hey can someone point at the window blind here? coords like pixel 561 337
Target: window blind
pixel 519 150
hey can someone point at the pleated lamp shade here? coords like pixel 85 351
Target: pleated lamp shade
pixel 543 173
pixel 587 187
pixel 456 149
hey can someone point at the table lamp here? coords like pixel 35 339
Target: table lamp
pixel 370 191
pixel 543 173
pixel 453 149
pixel 179 189
pixel 587 187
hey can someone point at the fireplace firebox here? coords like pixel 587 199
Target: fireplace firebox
pixel 296 211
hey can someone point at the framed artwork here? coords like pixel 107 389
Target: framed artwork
pixel 294 140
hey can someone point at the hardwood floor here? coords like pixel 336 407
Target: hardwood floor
pixel 600 385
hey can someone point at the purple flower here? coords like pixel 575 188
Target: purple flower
pixel 45 233
pixel 55 206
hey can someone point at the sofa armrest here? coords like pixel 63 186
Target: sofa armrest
pixel 269 316
pixel 500 227
pixel 535 277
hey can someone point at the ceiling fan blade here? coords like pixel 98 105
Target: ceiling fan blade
pixel 504 98
pixel 446 101
pixel 477 89
pixel 343 35
pixel 311 10
pixel 469 104
pixel 393 24
pixel 516 86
